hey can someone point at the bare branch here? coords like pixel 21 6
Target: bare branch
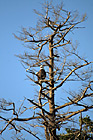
pixel 78 67
pixel 30 132
pixel 38 106
pixel 76 100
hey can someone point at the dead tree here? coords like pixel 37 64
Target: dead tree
pixel 50 45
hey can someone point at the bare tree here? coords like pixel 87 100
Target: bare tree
pixel 50 45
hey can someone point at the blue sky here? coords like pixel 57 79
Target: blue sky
pixel 15 14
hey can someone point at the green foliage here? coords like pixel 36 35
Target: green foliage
pixel 86 133
pixel 87 124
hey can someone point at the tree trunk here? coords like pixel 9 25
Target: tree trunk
pixel 46 133
pixel 51 94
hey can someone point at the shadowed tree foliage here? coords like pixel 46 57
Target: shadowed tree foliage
pixel 85 132
pixel 68 76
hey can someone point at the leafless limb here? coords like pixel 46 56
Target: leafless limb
pixel 29 131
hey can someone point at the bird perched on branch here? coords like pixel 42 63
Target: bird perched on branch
pixel 41 74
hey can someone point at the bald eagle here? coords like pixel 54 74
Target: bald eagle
pixel 41 74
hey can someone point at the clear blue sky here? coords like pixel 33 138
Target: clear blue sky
pixel 15 14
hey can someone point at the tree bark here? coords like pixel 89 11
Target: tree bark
pixel 52 128
pixel 46 133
